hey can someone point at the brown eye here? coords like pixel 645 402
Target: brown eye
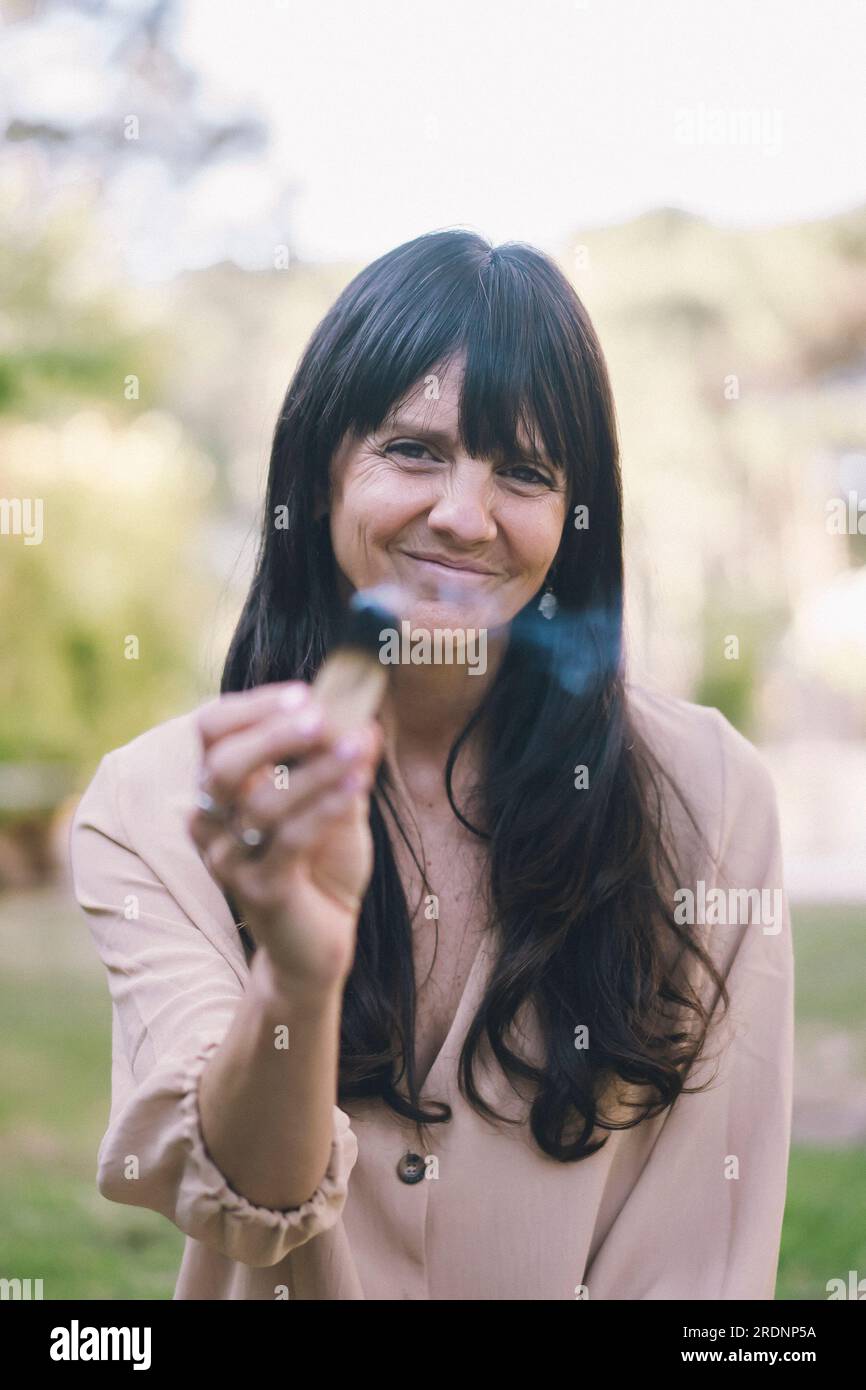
pixel 406 447
pixel 531 474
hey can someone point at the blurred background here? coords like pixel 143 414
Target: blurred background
pixel 187 186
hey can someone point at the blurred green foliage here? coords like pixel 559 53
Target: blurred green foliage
pixel 123 492
pixel 115 565
pixel 66 337
pixel 730 682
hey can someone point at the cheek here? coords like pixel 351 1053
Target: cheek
pixel 374 506
pixel 534 532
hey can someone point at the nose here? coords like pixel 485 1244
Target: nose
pixel 464 508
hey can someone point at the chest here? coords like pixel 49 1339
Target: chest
pixel 449 913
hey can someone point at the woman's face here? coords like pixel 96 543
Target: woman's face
pixel 470 539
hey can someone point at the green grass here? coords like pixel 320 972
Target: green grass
pixel 824 1234
pixel 54 1093
pixel 57 1228
pixel 830 964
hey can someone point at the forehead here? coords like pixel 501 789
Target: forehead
pixel 435 398
pixel 432 407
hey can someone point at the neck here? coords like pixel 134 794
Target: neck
pixel 425 707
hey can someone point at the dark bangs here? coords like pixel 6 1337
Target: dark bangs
pixel 530 358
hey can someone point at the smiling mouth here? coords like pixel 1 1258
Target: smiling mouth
pixel 443 567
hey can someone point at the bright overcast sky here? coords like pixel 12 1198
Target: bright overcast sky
pixel 528 120
pixel 533 119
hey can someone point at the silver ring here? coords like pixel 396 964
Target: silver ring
pixel 251 839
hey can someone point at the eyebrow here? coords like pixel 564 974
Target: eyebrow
pixel 402 425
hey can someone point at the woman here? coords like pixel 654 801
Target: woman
pixel 440 1012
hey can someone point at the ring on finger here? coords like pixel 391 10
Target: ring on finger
pixel 249 837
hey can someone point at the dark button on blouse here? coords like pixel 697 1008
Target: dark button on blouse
pixel 410 1168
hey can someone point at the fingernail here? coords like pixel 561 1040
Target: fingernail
pixel 348 747
pixel 294 696
pixel 310 721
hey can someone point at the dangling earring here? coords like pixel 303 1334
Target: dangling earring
pixel 547 604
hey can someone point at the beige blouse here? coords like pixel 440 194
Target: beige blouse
pixel 687 1205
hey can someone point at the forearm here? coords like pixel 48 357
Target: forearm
pixel 266 1109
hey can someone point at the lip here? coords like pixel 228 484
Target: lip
pixel 446 565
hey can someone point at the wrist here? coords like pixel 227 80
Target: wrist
pixel 278 987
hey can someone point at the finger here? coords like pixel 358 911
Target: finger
pixel 257 877
pixel 225 856
pixel 301 833
pixel 271 797
pixel 227 764
pixel 243 708
pixel 268 804
pixel 204 828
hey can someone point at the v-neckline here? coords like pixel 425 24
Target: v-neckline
pixel 471 993
pixel 469 998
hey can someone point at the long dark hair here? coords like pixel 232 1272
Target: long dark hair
pixel 580 881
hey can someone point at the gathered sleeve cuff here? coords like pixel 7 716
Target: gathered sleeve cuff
pixel 153 1155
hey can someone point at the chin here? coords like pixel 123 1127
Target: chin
pixel 438 603
pixel 430 612
pixel 433 632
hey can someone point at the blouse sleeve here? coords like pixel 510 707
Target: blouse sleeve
pixel 174 996
pixel 702 1217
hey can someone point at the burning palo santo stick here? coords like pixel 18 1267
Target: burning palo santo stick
pixel 352 679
